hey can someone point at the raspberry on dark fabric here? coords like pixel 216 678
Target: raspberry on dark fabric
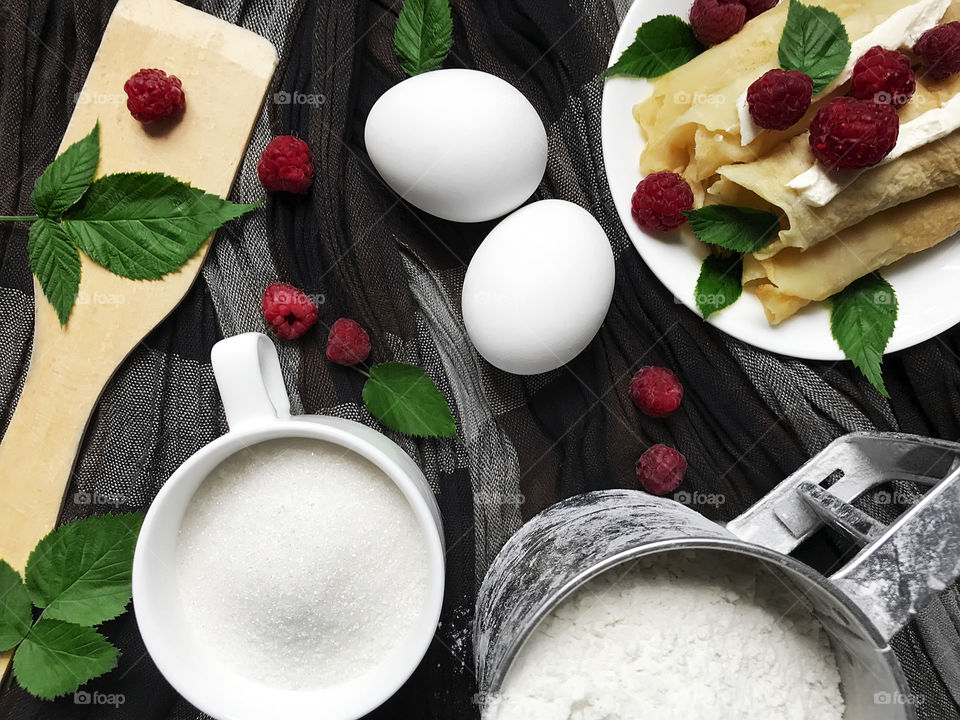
pixel 757 7
pixel 939 48
pixel 152 95
pixel 660 469
pixel 714 21
pixel 659 201
pixel 778 99
pixel 285 165
pixel 347 343
pixel 848 133
pixel 884 76
pixel 656 391
pixel 288 311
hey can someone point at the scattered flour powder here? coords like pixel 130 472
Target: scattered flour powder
pixel 301 564
pixel 685 636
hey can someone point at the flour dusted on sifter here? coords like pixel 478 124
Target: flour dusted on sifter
pixel 682 636
pixel 301 565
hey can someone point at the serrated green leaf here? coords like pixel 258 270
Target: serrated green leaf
pixel 405 399
pixel 16 611
pixel 424 35
pixel 740 229
pixel 719 284
pixel 56 263
pixel 67 177
pixel 815 42
pixel 145 225
pixel 862 318
pixel 58 657
pixel 661 45
pixel 81 571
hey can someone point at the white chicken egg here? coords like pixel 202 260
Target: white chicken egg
pixel 538 287
pixel 462 145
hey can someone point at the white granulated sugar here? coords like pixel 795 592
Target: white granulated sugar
pixel 684 636
pixel 301 564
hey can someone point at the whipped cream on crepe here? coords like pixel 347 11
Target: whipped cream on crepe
pixel 902 29
pixel 818 186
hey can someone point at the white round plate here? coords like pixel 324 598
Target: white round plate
pixel 925 283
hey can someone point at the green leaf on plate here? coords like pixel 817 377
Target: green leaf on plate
pixel 815 42
pixel 661 45
pixel 145 225
pixel 81 571
pixel 740 229
pixel 56 263
pixel 862 319
pixel 66 179
pixel 719 284
pixel 405 399
pixel 424 35
pixel 16 610
pixel 58 657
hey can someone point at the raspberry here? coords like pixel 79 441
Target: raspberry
pixel 849 133
pixel 348 343
pixel 659 201
pixel 778 99
pixel 757 7
pixel 714 21
pixel 656 391
pixel 939 48
pixel 153 95
pixel 884 76
pixel 285 165
pixel 288 312
pixel 660 469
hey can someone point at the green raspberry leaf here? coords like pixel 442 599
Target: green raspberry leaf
pixel 145 225
pixel 719 284
pixel 739 229
pixel 58 657
pixel 661 45
pixel 81 571
pixel 862 319
pixel 424 35
pixel 65 180
pixel 16 611
pixel 405 399
pixel 815 42
pixel 56 263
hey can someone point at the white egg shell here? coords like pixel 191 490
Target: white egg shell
pixel 462 145
pixel 538 287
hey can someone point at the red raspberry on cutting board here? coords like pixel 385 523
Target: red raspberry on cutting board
pixel 152 95
pixel 778 99
pixel 714 21
pixel 884 76
pixel 347 343
pixel 656 391
pixel 939 48
pixel 660 469
pixel 659 201
pixel 288 311
pixel 285 165
pixel 849 134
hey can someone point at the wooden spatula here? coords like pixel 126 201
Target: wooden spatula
pixel 225 72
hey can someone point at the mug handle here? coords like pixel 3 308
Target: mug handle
pixel 250 380
pixel 903 566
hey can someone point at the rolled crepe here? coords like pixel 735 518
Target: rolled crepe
pixel 930 168
pixel 690 120
pixel 792 276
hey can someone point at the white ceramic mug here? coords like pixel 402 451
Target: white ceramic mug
pixel 257 409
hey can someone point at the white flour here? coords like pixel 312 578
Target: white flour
pixel 301 565
pixel 691 637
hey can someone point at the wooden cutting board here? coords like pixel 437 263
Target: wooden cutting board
pixel 225 71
